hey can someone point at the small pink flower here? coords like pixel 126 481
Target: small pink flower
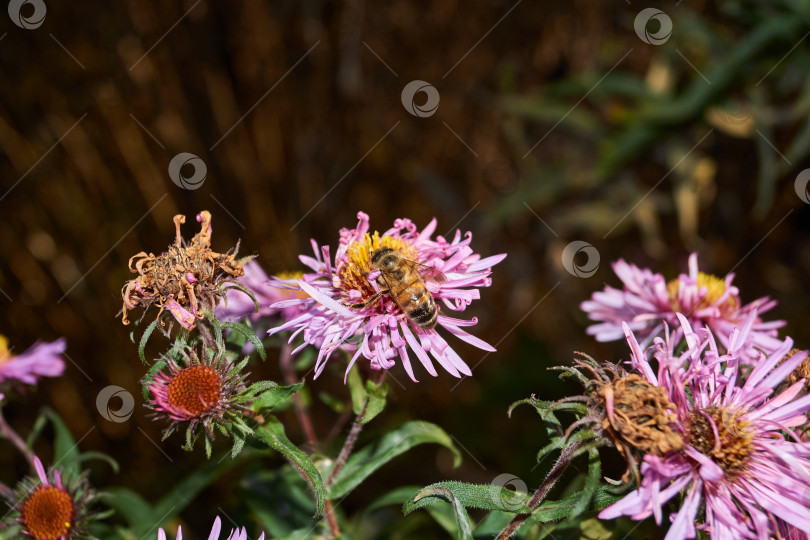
pixel 744 468
pixel 336 316
pixel 236 534
pixel 40 360
pixel 647 302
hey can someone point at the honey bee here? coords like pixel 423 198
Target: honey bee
pixel 404 281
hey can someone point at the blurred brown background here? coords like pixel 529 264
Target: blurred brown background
pixel 647 152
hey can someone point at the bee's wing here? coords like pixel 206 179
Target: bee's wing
pixel 428 272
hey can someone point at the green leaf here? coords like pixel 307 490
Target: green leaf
pixel 277 398
pixel 185 491
pixel 494 522
pixel 272 434
pixel 357 390
pixel 591 483
pixel 147 332
pixel 279 499
pixel 65 450
pixel 464 531
pixel 376 400
pixel 483 496
pixel 304 360
pixel 336 404
pixel 87 456
pixel 557 510
pixel 399 496
pixel 132 507
pixel 444 515
pixel 217 327
pixel 249 334
pixel 366 461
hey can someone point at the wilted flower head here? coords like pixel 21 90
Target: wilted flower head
pixel 391 308
pixel 187 279
pixel 647 302
pixel 743 472
pixel 237 305
pixel 236 534
pixel 624 410
pixel 46 508
pixel 203 392
pixel 39 360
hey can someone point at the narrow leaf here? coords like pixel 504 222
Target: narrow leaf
pixel 376 400
pixel 483 496
pixel 147 332
pixel 249 334
pixel 357 390
pixel 272 434
pixel 366 461
pixel 464 531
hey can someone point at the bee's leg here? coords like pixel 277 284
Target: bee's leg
pixel 370 301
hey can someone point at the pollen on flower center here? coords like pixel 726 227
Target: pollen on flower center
pixel 353 273
pixel 48 513
pixel 195 389
pixel 732 445
pixel 714 286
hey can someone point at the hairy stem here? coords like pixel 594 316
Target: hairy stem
pixel 7 432
pixel 348 445
pixel 554 474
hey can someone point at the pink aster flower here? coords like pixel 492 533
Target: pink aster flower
pixel 236 534
pixel 647 301
pixel 348 298
pixel 743 469
pixel 202 393
pixel 40 360
pixel 49 506
pixel 238 305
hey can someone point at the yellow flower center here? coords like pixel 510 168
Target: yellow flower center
pixel 48 513
pixel 715 288
pixel 5 353
pixel 290 275
pixel 195 389
pixel 353 274
pixel 291 292
pixel 734 434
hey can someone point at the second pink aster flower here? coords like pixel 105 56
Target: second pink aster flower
pixel 346 310
pixel 647 301
pixel 40 360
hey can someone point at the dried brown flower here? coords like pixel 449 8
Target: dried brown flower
pixel 188 279
pixel 626 411
pixel 639 414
